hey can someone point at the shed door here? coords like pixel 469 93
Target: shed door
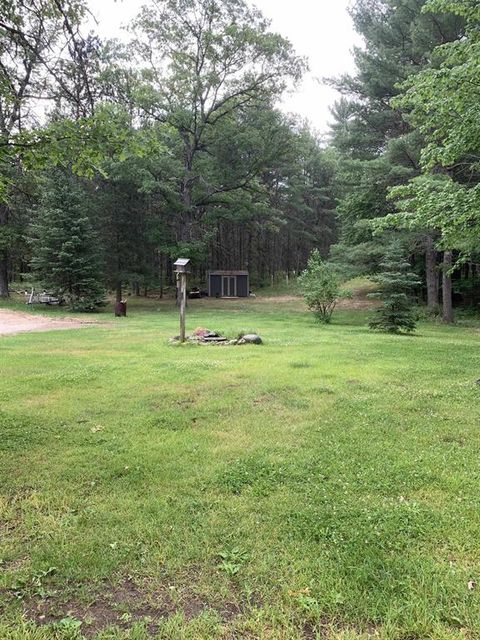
pixel 242 286
pixel 215 286
pixel 229 287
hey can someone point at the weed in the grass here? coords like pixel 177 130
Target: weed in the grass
pixel 301 365
pixel 70 625
pixel 32 585
pixel 232 560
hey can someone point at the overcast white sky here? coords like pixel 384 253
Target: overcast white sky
pixel 319 29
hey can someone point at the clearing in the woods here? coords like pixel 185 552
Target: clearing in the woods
pixel 324 485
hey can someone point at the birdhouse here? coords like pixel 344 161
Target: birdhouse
pixel 182 265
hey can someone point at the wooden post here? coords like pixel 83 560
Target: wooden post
pixel 183 304
pixel 181 269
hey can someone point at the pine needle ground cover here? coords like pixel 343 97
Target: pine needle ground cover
pixel 323 485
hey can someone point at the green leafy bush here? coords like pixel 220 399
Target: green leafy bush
pixel 321 287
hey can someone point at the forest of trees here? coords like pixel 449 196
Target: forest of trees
pixel 117 157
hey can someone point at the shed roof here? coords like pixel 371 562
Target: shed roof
pixel 228 273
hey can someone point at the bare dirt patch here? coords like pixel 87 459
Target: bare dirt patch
pixel 358 301
pixel 122 606
pixel 280 299
pixel 13 322
pixel 116 606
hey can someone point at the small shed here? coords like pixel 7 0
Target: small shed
pixel 228 284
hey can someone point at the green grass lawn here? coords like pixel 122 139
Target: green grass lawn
pixel 324 485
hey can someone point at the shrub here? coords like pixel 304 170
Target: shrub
pixel 321 287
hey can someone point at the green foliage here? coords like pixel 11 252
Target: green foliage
pixel 223 67
pixel 442 103
pixel 44 60
pixel 436 201
pixel 362 187
pixel 32 585
pixel 321 287
pixel 441 100
pixel 396 282
pixel 378 148
pixel 38 42
pixel 232 560
pixel 65 249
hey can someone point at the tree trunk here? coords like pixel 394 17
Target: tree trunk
pixel 432 274
pixel 447 288
pixel 187 190
pixel 161 275
pixel 118 292
pixel 4 290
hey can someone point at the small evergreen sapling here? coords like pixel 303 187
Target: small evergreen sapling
pixel 396 282
pixel 320 286
pixel 65 247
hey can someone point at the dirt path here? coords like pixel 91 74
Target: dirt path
pixel 358 301
pixel 12 322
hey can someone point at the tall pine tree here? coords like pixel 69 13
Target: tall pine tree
pixel 65 247
pixel 378 147
pixel 396 283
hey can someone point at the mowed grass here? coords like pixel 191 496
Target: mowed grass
pixel 323 485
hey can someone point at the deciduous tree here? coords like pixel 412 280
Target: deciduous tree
pixel 204 61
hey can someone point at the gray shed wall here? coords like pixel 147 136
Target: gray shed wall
pixel 215 284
